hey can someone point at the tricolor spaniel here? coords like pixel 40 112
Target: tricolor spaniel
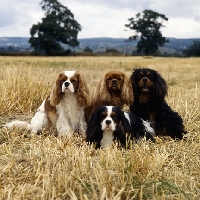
pixel 63 108
pixel 149 90
pixel 113 89
pixel 109 123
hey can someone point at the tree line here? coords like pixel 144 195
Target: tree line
pixel 59 27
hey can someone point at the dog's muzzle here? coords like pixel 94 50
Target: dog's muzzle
pixel 114 83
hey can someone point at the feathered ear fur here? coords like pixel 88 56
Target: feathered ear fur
pixel 124 130
pixel 133 82
pixel 100 97
pixel 83 96
pixel 160 87
pixel 94 132
pixel 102 94
pixel 56 92
pixel 127 92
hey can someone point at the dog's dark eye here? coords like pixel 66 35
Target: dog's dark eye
pixel 73 81
pixel 119 79
pixel 108 79
pixel 114 117
pixel 102 117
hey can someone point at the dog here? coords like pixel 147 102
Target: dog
pixel 110 123
pixel 114 89
pixel 150 90
pixel 63 109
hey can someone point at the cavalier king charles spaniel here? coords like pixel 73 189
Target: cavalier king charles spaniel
pixel 63 108
pixel 114 89
pixel 110 123
pixel 149 90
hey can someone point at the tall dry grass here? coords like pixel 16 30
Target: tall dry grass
pixel 46 167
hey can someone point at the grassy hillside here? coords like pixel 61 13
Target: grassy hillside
pixel 46 167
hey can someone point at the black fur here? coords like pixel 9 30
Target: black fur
pixel 124 130
pixel 153 107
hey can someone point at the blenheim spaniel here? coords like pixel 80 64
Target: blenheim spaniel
pixel 110 123
pixel 63 108
pixel 150 90
pixel 113 89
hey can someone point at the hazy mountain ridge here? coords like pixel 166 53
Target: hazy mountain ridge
pixel 175 45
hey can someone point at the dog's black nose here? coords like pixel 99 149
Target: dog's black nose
pixel 108 122
pixel 114 81
pixel 144 80
pixel 67 84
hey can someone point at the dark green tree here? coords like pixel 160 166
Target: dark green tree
pixel 57 27
pixel 193 50
pixel 147 26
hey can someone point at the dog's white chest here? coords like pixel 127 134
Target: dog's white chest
pixel 70 112
pixel 69 104
pixel 107 139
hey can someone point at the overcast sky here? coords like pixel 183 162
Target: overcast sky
pixel 103 18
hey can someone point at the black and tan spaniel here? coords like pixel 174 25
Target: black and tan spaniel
pixel 63 108
pixel 110 123
pixel 150 90
pixel 114 89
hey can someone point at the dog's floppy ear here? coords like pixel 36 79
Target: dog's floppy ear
pixel 101 94
pixel 83 94
pixel 160 87
pixel 94 132
pixel 123 130
pixel 56 91
pixel 133 81
pixel 127 92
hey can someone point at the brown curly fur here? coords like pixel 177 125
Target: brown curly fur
pixel 113 89
pixel 83 93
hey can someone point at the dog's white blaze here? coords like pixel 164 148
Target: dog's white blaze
pixel 107 129
pixel 69 74
pixel 109 108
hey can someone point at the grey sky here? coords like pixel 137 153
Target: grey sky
pixel 103 18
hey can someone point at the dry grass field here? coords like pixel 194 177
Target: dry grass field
pixel 46 167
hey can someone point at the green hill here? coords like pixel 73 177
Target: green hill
pixel 175 46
